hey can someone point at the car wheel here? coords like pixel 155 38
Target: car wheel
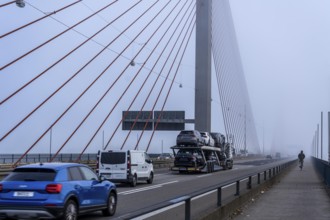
pixel 70 211
pixel 151 178
pixel 229 165
pixel 134 181
pixel 111 205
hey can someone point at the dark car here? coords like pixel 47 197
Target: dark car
pixel 190 137
pixel 55 190
pixel 188 158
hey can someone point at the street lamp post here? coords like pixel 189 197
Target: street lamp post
pixel 245 129
pixel 50 143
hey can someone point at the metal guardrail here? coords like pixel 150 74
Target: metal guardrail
pixel 35 158
pixel 323 168
pixel 267 173
pixel 5 169
pixel 65 157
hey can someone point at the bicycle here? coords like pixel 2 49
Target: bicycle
pixel 301 164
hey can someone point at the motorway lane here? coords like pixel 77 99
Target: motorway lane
pixel 170 185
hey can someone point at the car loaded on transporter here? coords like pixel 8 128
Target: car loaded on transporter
pixel 193 155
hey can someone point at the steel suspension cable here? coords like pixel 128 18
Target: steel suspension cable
pixel 39 19
pixel 150 72
pixel 56 36
pixel 156 78
pixel 68 80
pixel 8 3
pixel 106 118
pixel 169 90
pixel 225 61
pixel 161 90
pixel 104 95
pixel 84 90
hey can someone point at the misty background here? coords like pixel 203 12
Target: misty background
pixel 284 47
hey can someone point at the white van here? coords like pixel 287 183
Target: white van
pixel 125 166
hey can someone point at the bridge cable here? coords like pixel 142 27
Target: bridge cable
pixel 8 3
pixel 149 74
pixel 104 95
pixel 39 19
pixel 161 90
pixel 166 78
pixel 56 36
pixel 156 80
pixel 169 90
pixel 82 93
pixel 106 118
pixel 68 80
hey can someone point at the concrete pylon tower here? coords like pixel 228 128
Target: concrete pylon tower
pixel 203 66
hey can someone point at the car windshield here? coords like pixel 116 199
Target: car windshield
pixel 186 132
pixel 31 174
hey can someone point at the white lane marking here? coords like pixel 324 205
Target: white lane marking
pixel 205 175
pixel 168 207
pixel 145 188
pixel 161 174
pixel 157 211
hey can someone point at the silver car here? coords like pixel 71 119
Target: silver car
pixel 209 141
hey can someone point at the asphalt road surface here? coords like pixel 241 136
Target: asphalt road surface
pixel 169 185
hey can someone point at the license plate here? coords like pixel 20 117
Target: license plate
pixel 24 194
pixel 106 176
pixel 119 176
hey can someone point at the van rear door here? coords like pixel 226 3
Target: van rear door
pixel 113 165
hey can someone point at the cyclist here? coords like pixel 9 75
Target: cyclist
pixel 301 157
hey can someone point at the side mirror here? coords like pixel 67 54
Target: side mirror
pixel 148 160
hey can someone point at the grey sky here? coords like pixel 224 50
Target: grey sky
pixel 285 51
pixel 284 47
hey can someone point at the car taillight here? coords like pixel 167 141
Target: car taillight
pixel 0 187
pixel 128 164
pixel 53 188
pixel 97 167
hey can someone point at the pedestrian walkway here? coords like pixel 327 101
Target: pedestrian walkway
pixel 299 195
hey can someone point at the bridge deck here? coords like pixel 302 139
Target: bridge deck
pixel 299 195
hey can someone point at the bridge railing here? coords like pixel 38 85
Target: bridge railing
pixel 267 174
pixel 323 168
pixel 35 158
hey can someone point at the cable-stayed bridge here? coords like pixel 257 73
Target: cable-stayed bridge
pixel 71 71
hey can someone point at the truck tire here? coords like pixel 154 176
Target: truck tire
pixel 210 167
pixel 229 164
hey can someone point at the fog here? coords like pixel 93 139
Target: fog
pixel 284 47
pixel 285 51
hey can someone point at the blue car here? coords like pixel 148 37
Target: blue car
pixel 55 190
